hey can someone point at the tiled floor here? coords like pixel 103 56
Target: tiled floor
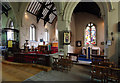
pixel 77 73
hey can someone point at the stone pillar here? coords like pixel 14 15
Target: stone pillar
pixel 63 25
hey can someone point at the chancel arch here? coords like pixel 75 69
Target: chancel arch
pixel 103 11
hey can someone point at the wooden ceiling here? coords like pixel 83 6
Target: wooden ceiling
pixel 5 8
pixel 43 10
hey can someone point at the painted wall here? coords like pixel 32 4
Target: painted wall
pixel 29 19
pixel 78 25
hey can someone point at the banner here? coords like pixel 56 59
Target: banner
pixel 9 43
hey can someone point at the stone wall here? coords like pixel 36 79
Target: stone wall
pixel 29 19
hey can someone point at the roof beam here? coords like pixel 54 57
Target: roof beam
pixel 39 14
pixel 46 19
pixel 42 10
pixel 5 8
pixel 49 4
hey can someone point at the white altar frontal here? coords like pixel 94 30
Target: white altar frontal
pixel 93 51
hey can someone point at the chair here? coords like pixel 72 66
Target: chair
pixel 61 64
pixel 68 57
pixel 69 61
pixel 95 61
pixel 106 60
pixel 60 57
pixel 65 65
pixel 55 64
pixel 107 64
pixel 113 75
pixel 98 72
pixel 110 73
pixel 100 59
pixel 105 70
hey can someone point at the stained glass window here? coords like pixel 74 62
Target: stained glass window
pixel 90 34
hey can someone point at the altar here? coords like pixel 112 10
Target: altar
pixel 88 51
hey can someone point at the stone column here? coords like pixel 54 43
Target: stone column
pixel 63 25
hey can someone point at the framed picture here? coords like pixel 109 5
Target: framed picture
pixel 67 37
pixel 78 44
pixel 109 43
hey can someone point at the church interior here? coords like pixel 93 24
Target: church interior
pixel 60 41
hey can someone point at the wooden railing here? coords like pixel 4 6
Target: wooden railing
pixel 42 59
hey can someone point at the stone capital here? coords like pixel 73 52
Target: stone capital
pixel 63 25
